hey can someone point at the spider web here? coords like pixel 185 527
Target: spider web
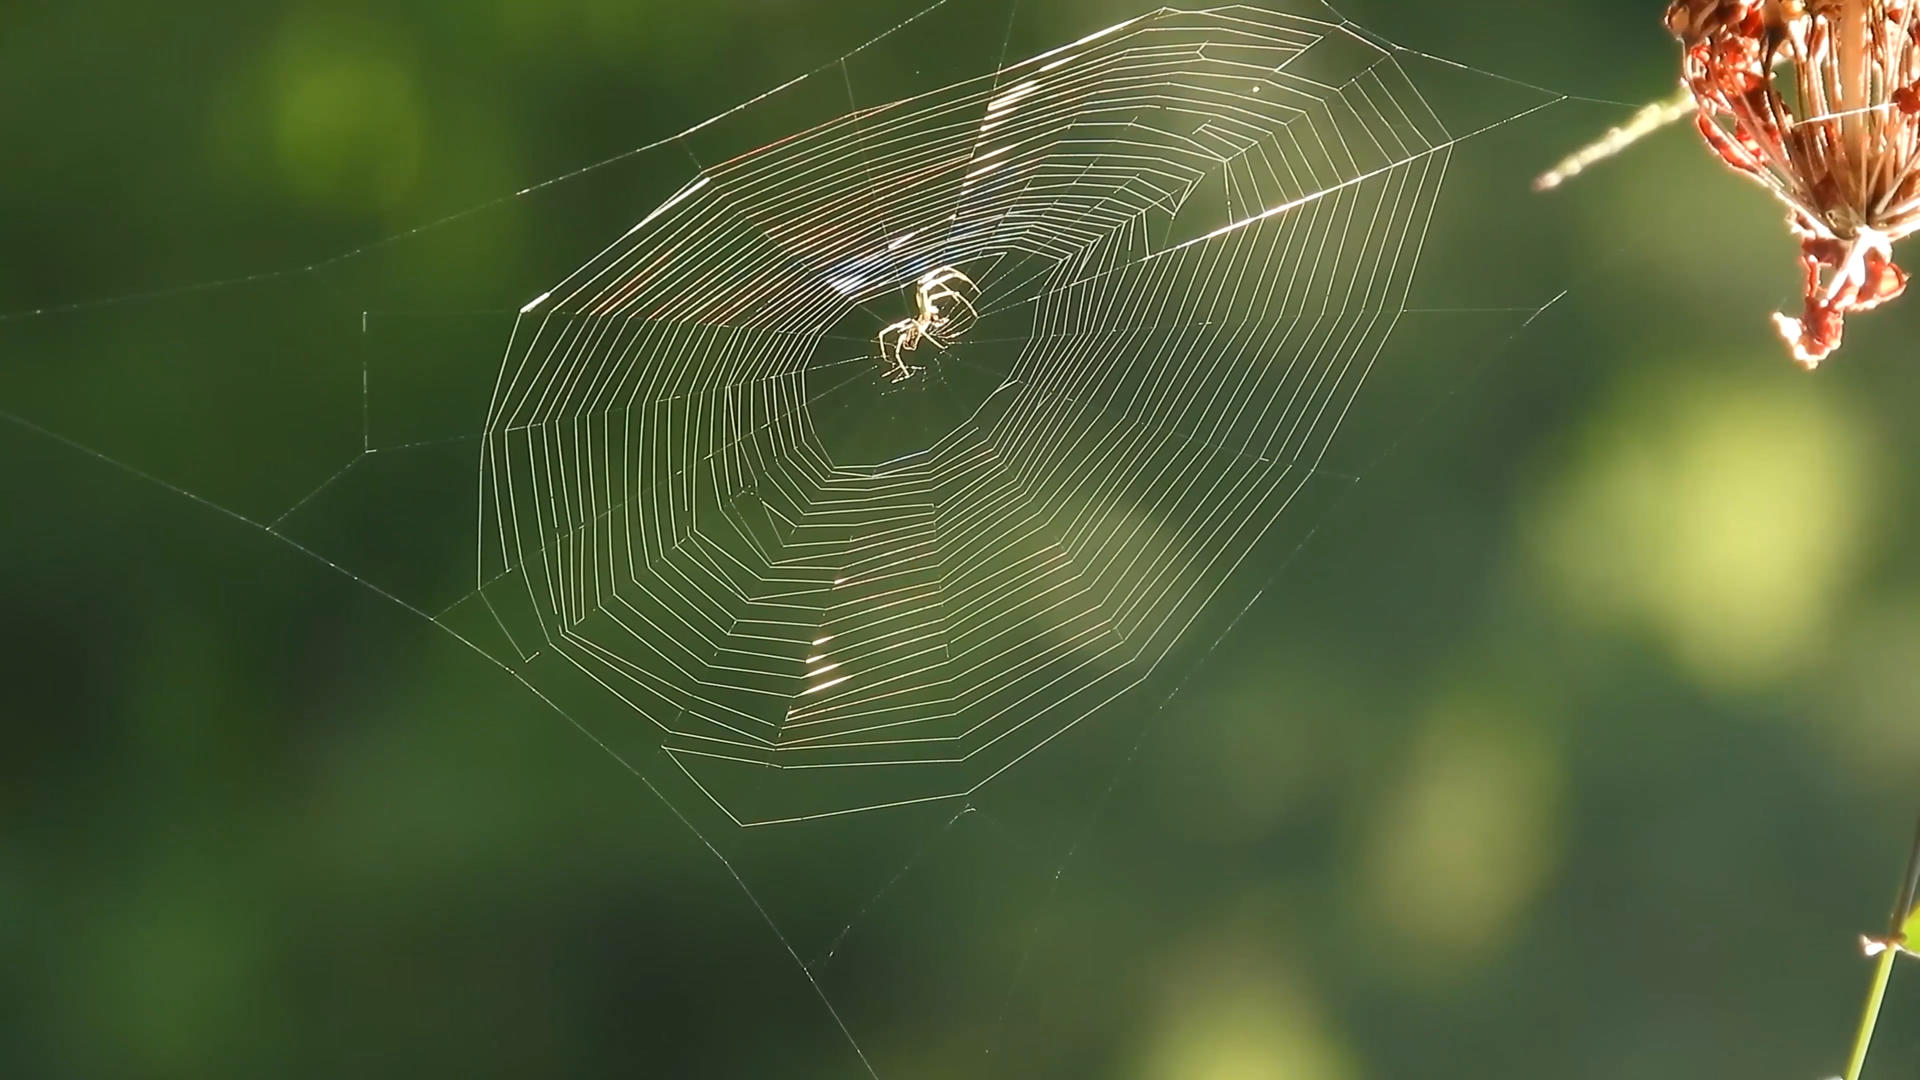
pixel 700 521
pixel 1192 232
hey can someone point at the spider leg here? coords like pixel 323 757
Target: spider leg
pixel 941 275
pixel 933 284
pixel 932 291
pixel 929 323
pixel 944 293
pixel 931 288
pixel 901 337
pixel 941 334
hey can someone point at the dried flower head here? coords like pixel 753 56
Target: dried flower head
pixel 1819 100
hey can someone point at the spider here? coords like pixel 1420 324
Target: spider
pixel 931 323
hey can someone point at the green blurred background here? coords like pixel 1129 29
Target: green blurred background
pixel 1578 739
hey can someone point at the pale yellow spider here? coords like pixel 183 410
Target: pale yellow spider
pixel 931 323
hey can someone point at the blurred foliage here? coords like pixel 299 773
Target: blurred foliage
pixel 1577 740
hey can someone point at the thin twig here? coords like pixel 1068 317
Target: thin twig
pixel 1642 124
pixel 1889 949
pixel 1876 993
pixel 1904 907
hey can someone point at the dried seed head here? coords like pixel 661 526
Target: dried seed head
pixel 1818 100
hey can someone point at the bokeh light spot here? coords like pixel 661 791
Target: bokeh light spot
pixel 348 120
pixel 1473 832
pixel 1240 1024
pixel 1725 518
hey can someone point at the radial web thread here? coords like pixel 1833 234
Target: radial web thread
pixel 1191 232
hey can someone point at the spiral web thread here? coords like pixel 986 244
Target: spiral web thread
pixel 1192 233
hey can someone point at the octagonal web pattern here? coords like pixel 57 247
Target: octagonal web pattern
pixel 1187 238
